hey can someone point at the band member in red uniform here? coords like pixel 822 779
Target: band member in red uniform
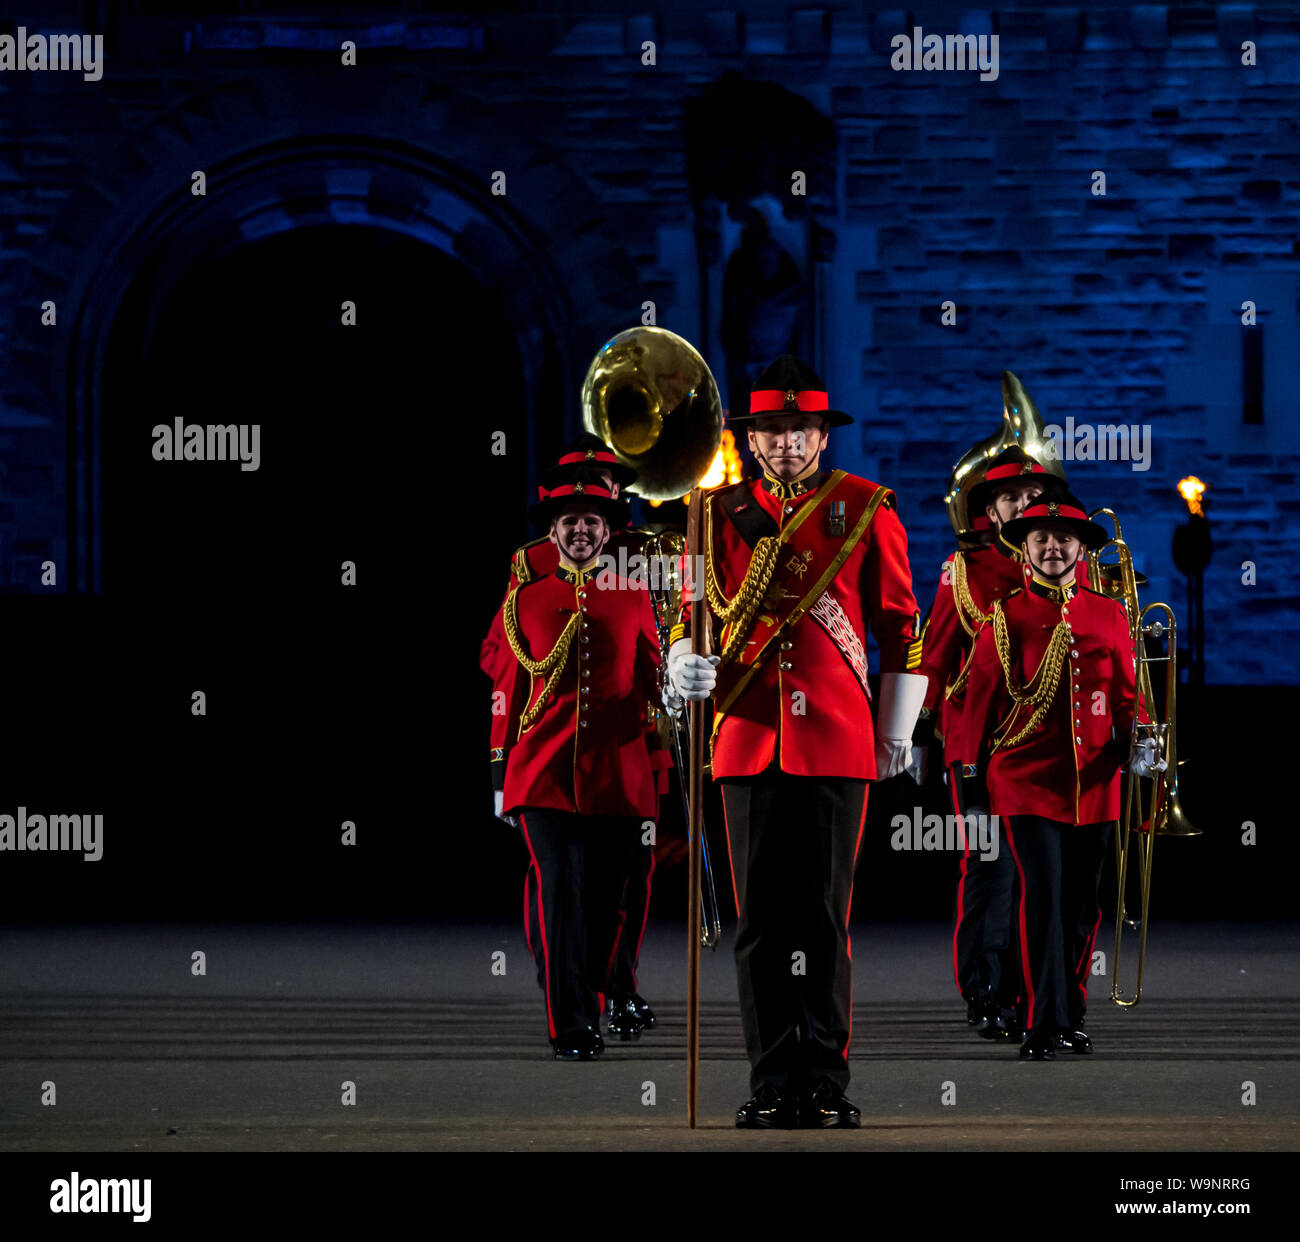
pixel 983 955
pixel 577 771
pixel 798 563
pixel 1050 705
pixel 587 458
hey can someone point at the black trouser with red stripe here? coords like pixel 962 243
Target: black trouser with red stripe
pixel 1058 901
pixel 983 951
pixel 580 865
pixel 633 914
pixel 794 843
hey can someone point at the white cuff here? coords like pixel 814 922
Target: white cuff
pixel 901 698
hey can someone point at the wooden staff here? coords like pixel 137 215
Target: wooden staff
pixel 695 827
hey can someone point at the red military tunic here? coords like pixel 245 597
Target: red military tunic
pixel 587 752
pixel 970 581
pixel 806 707
pixel 1068 768
pixel 991 571
pixel 533 561
pixel 536 560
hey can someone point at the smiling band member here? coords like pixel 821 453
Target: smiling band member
pixel 584 459
pixel 1050 704
pixel 798 563
pixel 577 769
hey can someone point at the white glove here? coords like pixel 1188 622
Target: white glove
pixel 1146 759
pixel 919 768
pixel 674 704
pixel 498 805
pixel 692 676
pixel 901 697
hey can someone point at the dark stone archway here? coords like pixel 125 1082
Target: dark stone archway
pixel 282 152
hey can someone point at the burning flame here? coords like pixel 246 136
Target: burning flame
pixel 1191 489
pixel 725 468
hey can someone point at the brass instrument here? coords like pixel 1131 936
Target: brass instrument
pixel 1160 812
pixel 664 551
pixel 652 398
pixel 1021 424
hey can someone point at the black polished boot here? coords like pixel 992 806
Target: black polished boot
pixel 1039 1046
pixel 623 1021
pixel 769 1109
pixel 985 1014
pixel 1073 1041
pixel 1010 1028
pixel 583 1044
pixel 643 1011
pixel 826 1107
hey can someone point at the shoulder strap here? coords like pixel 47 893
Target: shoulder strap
pixel 753 521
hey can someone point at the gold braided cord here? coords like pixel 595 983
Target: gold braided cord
pixel 966 605
pixel 554 662
pixel 739 611
pixel 1041 688
pixel 962 677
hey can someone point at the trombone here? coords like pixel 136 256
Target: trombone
pixel 1157 812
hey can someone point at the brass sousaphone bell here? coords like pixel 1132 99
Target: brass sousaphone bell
pixel 651 397
pixel 1021 425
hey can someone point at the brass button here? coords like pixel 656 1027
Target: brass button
pixel 1074 655
pixel 586 672
pixel 789 508
pixel 582 724
pixel 586 689
pixel 785 664
pixel 786 646
pixel 584 639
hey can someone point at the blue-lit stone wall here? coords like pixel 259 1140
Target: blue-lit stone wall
pixel 1115 308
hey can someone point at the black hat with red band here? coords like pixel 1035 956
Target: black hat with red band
pixel 587 451
pixel 1055 507
pixel 790 387
pixel 586 492
pixel 1007 467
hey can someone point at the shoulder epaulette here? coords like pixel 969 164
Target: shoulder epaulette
pixel 519 565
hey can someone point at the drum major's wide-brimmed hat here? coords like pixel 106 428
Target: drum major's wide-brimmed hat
pixel 1056 507
pixel 789 386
